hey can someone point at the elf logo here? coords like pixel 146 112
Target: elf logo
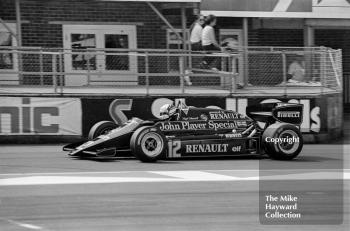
pixel 236 148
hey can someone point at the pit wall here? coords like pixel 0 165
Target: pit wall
pixel 60 120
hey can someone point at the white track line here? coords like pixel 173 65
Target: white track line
pixel 165 176
pixel 25 225
pixel 197 175
pixel 202 170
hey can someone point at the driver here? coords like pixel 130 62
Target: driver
pixel 167 111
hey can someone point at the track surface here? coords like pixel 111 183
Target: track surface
pixel 43 189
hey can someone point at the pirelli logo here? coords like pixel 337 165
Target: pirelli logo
pixel 288 114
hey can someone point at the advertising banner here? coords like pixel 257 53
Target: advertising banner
pixel 120 110
pixel 40 116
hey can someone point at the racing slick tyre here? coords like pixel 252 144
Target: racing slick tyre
pixel 287 149
pixel 101 128
pixel 148 144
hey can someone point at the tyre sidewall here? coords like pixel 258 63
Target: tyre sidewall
pixel 101 128
pixel 137 141
pixel 273 149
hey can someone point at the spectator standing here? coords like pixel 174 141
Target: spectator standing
pixel 196 45
pixel 196 34
pixel 209 42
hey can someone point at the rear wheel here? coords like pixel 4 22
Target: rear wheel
pixel 101 128
pixel 148 144
pixel 282 141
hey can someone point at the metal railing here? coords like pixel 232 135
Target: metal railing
pixel 154 71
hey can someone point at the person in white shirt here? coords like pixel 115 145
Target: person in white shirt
pixel 196 45
pixel 209 42
pixel 196 34
pixel 296 70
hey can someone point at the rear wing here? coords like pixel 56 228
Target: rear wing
pixel 282 112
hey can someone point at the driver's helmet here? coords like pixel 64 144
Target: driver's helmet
pixel 167 110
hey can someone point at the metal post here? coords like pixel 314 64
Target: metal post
pixel 41 67
pixel 19 38
pixel 168 60
pixel 233 83
pixel 88 70
pixel 182 73
pixel 309 41
pixel 309 36
pixel 147 73
pixel 18 23
pixel 323 66
pixel 246 64
pixel 232 74
pixel 184 35
pixel 54 72
pixel 61 71
pixel 284 67
pixel 183 24
pixel 98 67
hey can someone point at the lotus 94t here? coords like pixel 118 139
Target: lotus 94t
pixel 271 129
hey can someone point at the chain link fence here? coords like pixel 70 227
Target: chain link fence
pixel 147 71
pixel 291 67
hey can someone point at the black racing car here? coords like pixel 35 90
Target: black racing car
pixel 196 132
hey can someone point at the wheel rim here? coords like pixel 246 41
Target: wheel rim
pixel 289 148
pixel 152 144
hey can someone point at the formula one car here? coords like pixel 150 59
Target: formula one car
pixel 185 131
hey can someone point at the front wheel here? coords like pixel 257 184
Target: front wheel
pixel 147 144
pixel 101 128
pixel 282 141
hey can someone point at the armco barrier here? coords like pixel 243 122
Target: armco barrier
pixel 72 118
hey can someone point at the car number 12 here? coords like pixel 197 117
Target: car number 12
pixel 173 148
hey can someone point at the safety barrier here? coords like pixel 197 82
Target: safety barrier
pixel 25 119
pixel 147 71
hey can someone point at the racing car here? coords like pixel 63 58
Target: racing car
pixel 186 131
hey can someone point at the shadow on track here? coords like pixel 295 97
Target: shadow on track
pixel 174 161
